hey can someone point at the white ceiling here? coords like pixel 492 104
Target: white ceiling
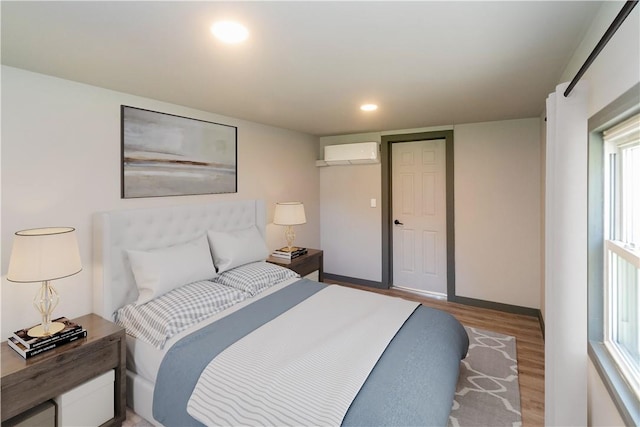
pixel 308 66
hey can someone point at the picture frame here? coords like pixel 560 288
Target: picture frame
pixel 169 155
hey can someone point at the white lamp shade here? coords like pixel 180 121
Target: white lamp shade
pixel 289 213
pixel 43 254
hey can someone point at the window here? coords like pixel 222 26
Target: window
pixel 612 238
pixel 622 248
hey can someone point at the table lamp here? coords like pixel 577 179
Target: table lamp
pixel 289 214
pixel 42 255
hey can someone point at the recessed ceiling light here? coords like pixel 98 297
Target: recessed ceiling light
pixel 230 31
pixel 369 107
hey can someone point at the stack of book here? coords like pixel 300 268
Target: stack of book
pixel 287 254
pixel 28 346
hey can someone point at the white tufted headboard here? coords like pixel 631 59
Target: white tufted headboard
pixel 115 232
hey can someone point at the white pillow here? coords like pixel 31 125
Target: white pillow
pixel 162 270
pixel 234 248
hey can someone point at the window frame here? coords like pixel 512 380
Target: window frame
pixel 619 140
pixel 624 397
pixel 629 370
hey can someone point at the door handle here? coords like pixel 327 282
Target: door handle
pixel 396 222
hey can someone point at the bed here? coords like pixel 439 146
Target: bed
pixel 276 349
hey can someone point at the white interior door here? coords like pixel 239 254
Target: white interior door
pixel 419 216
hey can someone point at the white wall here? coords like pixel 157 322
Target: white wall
pixel 543 173
pixel 497 205
pixel 601 411
pixel 616 70
pixel 497 211
pixel 61 164
pixel 351 230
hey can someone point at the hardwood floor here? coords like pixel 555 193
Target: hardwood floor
pixel 529 344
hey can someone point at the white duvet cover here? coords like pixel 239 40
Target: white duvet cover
pixel 304 367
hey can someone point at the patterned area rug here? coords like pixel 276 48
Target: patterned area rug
pixel 488 392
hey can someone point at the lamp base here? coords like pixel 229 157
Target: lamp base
pixel 290 236
pixel 38 331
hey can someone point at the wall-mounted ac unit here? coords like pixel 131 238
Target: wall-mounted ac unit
pixel 350 154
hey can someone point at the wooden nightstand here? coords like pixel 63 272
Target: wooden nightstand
pixel 27 383
pixel 303 265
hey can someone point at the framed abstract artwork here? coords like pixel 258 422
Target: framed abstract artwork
pixel 169 155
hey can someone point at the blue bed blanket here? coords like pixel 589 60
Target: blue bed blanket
pixel 413 382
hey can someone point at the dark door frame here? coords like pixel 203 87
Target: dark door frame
pixel 387 205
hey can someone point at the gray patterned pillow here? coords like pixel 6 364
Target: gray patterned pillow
pixel 159 319
pixel 255 277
